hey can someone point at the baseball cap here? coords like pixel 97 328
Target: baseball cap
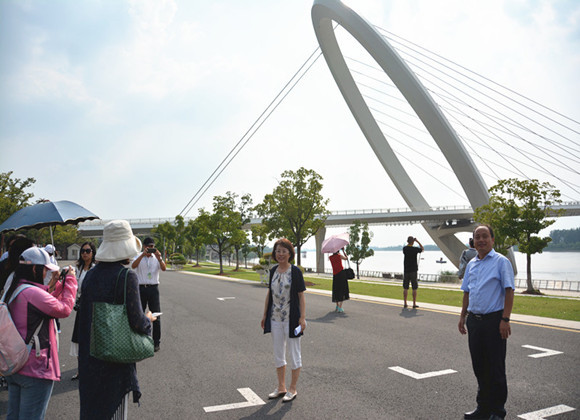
pixel 49 248
pixel 37 256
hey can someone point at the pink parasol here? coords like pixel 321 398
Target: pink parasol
pixel 335 243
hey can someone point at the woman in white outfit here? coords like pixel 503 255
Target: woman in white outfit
pixel 85 262
pixel 284 316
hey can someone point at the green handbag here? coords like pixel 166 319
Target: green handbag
pixel 112 338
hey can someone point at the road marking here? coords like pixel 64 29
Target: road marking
pixel 544 352
pixel 416 375
pixel 546 412
pixel 251 400
pixel 225 298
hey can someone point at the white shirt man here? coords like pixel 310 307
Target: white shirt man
pixel 147 266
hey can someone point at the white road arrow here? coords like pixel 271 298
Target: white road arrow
pixel 416 375
pixel 546 412
pixel 225 298
pixel 545 352
pixel 251 400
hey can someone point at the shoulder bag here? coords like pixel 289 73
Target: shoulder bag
pixel 349 271
pixel 112 338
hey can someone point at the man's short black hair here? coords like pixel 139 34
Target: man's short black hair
pixel 148 241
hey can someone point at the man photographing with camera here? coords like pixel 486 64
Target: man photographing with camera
pixel 410 268
pixel 147 266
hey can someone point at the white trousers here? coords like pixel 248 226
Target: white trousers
pixel 281 340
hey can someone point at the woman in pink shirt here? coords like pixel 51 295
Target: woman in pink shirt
pixel 30 388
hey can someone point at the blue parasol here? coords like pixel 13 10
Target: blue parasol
pixel 47 214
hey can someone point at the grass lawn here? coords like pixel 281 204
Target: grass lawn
pixel 551 307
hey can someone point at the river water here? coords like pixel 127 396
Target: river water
pixel 545 266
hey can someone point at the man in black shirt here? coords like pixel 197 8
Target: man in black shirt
pixel 410 268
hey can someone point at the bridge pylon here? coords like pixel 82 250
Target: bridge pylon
pixel 324 13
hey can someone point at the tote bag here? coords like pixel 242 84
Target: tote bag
pixel 112 338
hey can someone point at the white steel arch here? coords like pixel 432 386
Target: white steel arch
pixel 324 12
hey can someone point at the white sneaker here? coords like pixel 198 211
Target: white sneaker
pixel 276 394
pixel 289 396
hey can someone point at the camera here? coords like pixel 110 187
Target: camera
pixel 151 250
pixel 63 273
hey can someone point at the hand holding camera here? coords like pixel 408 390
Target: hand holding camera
pixel 67 270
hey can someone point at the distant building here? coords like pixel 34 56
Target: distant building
pixel 72 252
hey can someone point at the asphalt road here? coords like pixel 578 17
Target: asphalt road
pixel 212 345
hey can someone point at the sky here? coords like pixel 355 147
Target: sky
pixel 127 106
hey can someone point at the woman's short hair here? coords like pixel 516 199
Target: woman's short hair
pixel 283 242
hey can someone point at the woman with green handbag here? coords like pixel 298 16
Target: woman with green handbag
pixel 104 386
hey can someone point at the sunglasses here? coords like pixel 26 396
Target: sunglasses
pixel 86 251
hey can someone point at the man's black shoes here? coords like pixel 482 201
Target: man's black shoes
pixel 478 413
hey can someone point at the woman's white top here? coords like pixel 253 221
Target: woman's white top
pixel 281 283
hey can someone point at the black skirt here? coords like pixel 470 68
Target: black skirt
pixel 340 287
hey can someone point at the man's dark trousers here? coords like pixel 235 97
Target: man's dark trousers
pixel 488 352
pixel 150 296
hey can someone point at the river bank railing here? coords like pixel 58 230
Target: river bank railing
pixel 559 285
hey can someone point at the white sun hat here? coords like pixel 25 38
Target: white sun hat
pixel 119 243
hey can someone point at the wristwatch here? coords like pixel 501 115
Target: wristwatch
pixel 505 319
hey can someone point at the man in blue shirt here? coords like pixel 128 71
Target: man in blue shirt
pixel 488 298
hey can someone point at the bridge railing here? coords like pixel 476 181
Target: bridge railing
pixel 396 210
pixel 572 207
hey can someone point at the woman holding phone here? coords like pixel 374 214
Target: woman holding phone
pixel 285 317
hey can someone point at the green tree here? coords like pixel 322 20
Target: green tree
pixel 246 250
pixel 360 239
pixel 222 225
pixel 13 196
pixel 524 206
pixel 240 237
pixel 63 236
pixel 180 234
pixel 260 235
pixel 296 208
pixel 196 237
pixel 165 234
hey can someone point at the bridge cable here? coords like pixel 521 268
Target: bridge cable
pixel 494 118
pixel 255 126
pixel 483 77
